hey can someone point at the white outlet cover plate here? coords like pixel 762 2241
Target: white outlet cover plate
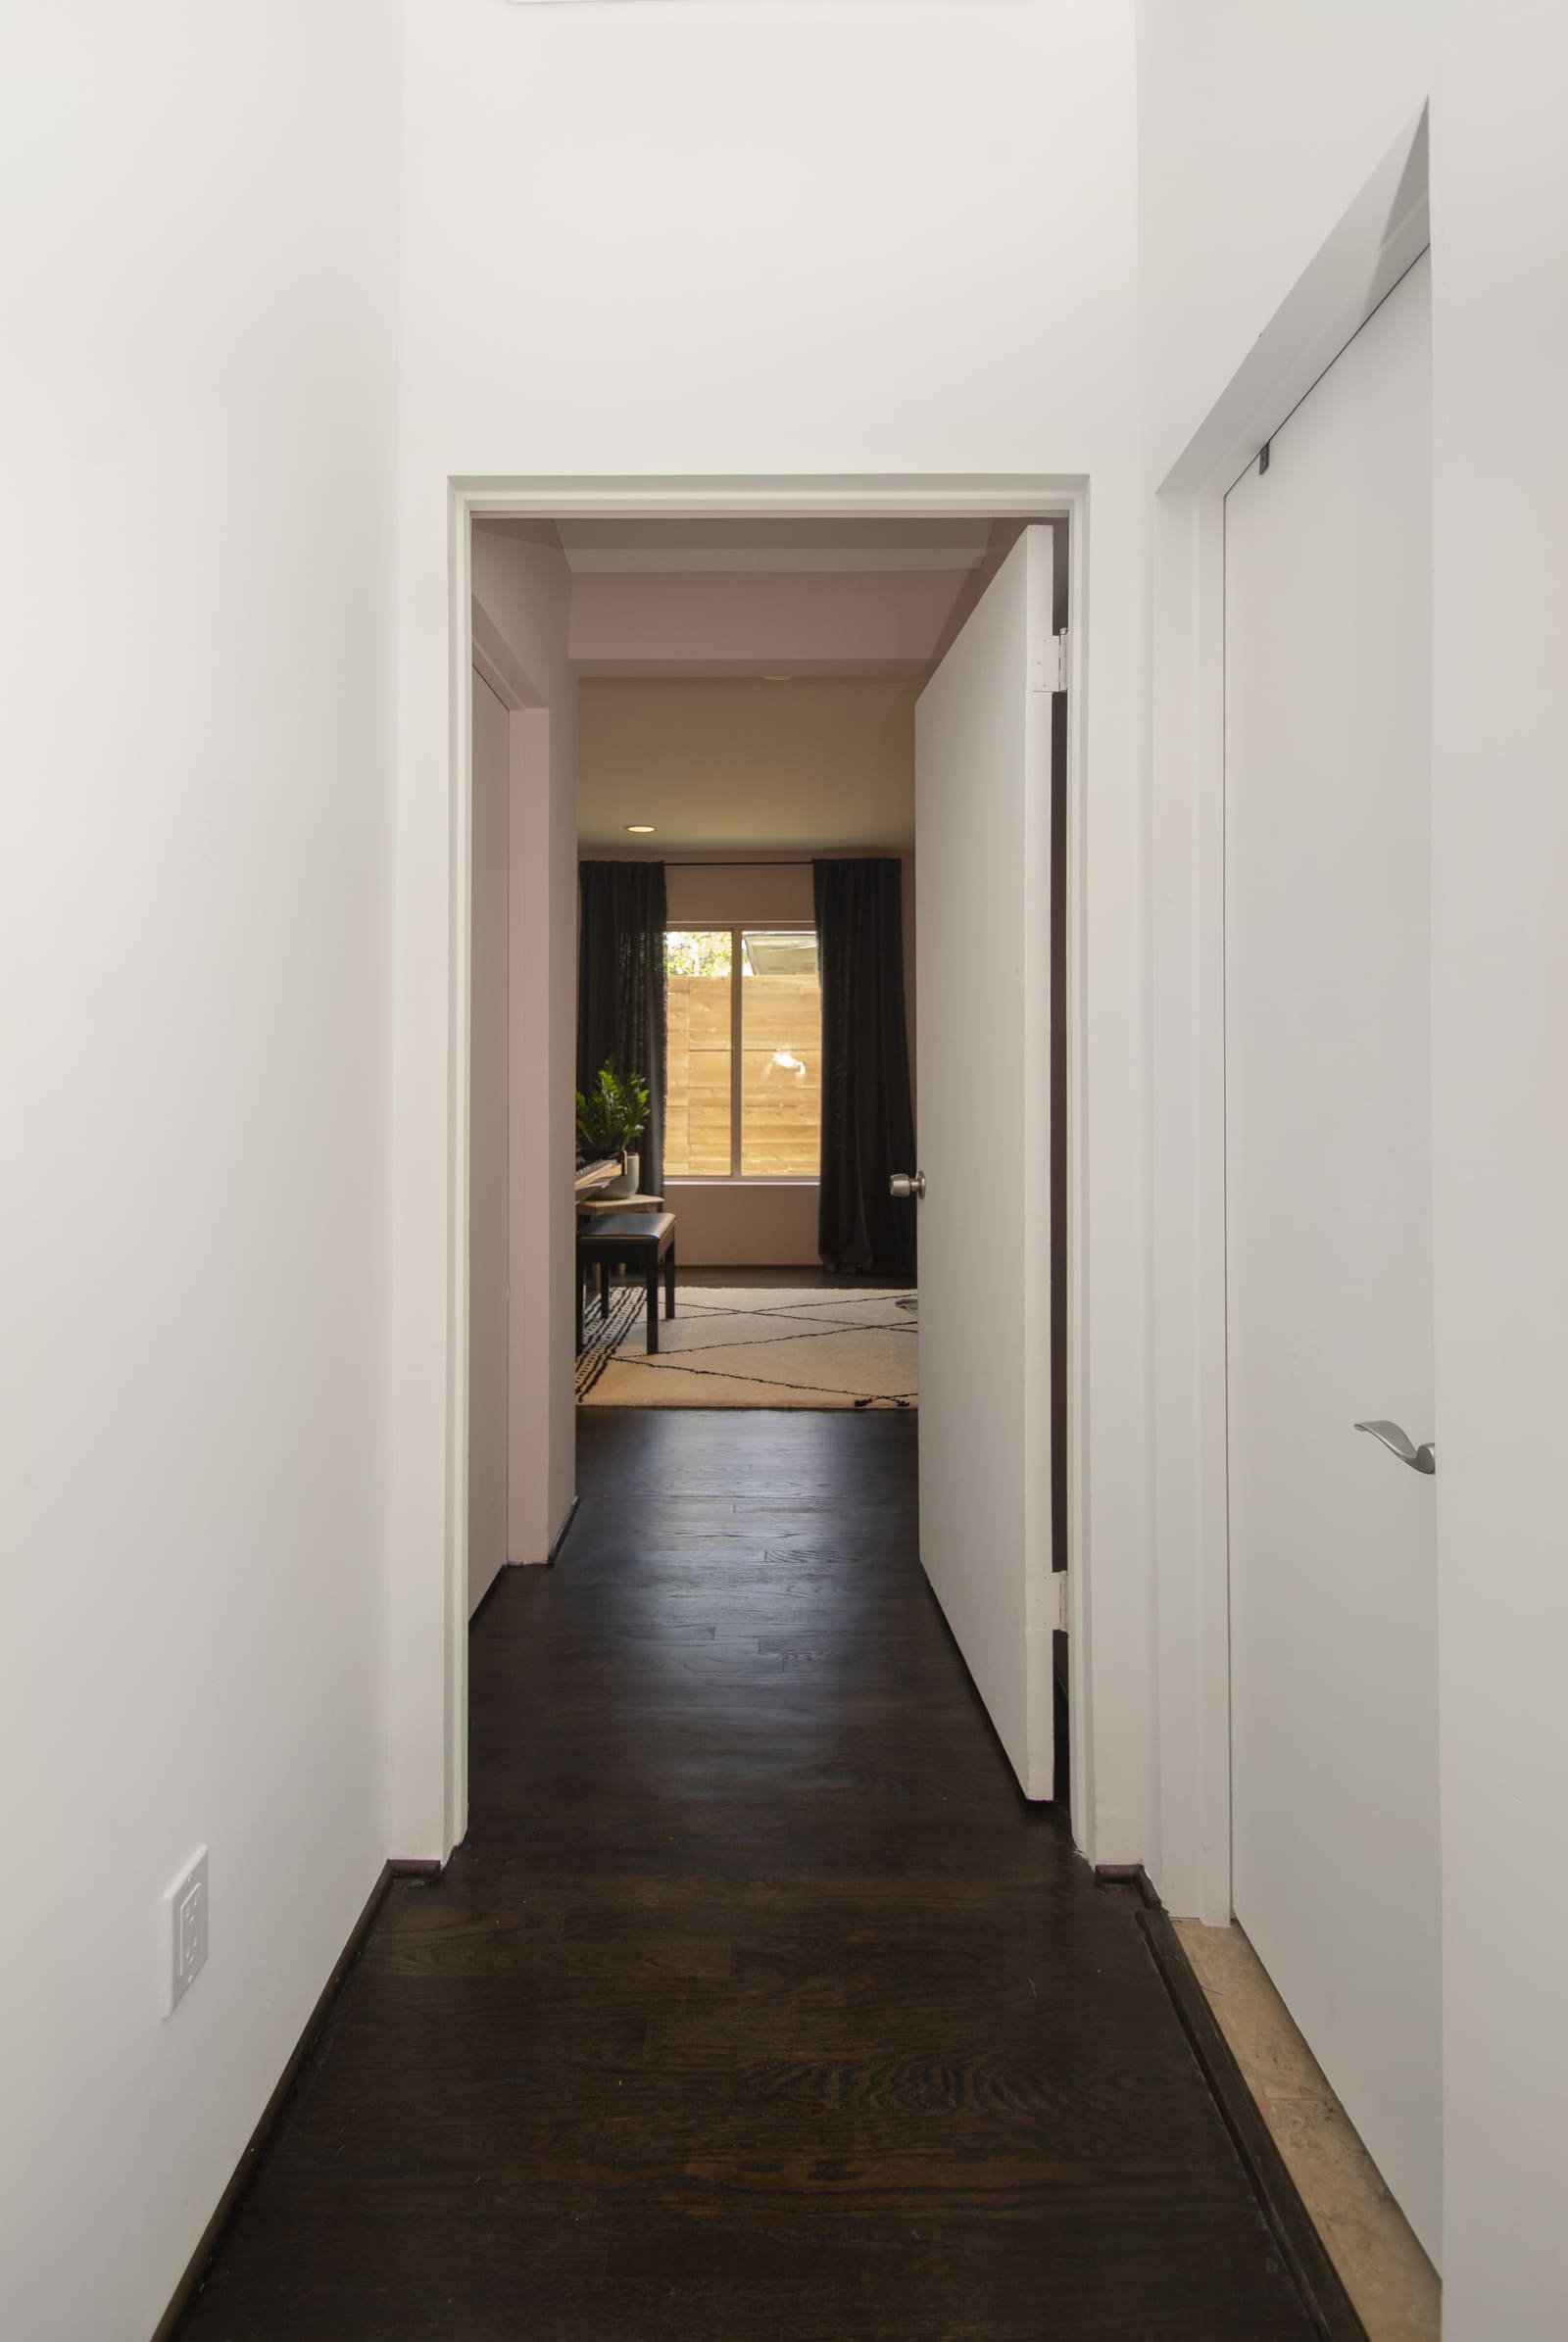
pixel 184 1930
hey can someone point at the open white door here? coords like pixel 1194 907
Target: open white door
pixel 983 777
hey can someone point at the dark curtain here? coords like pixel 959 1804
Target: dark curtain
pixel 620 991
pixel 867 1122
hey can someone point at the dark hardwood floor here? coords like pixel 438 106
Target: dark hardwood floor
pixel 758 2003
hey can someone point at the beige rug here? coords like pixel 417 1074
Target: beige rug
pixel 754 1347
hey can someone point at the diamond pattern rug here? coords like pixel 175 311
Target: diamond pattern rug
pixel 754 1347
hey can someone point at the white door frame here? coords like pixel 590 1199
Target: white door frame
pixel 1038 497
pixel 1381 235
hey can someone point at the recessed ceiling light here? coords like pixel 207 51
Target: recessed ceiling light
pixel 640 829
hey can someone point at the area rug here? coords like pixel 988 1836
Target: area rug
pixel 753 1347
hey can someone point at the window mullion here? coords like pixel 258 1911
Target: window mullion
pixel 735 1040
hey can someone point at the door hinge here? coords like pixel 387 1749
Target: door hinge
pixel 1049 662
pixel 1059 1578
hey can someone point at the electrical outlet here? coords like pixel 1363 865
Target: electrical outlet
pixel 184 1930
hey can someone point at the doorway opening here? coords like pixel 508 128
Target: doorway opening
pixel 734 701
pixel 747 953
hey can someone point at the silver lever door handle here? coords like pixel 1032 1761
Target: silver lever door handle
pixel 902 1184
pixel 1398 1442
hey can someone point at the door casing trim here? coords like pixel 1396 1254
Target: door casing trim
pixel 978 496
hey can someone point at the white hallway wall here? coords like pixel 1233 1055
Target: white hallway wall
pixel 196 627
pixel 1257 129
pixel 724 249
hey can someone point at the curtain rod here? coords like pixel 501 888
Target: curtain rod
pixel 730 864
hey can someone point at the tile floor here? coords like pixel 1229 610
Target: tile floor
pixel 1389 2277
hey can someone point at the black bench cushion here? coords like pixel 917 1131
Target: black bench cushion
pixel 628 1226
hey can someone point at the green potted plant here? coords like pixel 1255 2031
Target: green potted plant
pixel 610 1117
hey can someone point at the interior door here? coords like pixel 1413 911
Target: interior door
pixel 983 773
pixel 1328 1173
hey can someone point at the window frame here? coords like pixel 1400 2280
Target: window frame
pixel 736 929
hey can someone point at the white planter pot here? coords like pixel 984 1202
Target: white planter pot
pixel 626 1183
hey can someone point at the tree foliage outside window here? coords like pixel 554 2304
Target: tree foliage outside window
pixel 708 953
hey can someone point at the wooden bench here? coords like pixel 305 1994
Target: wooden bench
pixel 639 1240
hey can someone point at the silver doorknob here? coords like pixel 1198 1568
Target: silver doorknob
pixel 905 1182
pixel 1399 1444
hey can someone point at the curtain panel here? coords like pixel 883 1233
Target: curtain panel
pixel 867 1119
pixel 621 990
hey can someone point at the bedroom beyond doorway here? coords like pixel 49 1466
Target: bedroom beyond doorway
pixel 745 966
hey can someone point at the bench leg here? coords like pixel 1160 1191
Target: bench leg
pixel 604 1289
pixel 653 1311
pixel 669 1282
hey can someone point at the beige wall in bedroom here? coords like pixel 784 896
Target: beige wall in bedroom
pixel 698 757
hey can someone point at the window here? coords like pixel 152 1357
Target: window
pixel 745 1056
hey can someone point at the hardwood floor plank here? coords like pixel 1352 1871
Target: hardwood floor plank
pixel 758 2002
